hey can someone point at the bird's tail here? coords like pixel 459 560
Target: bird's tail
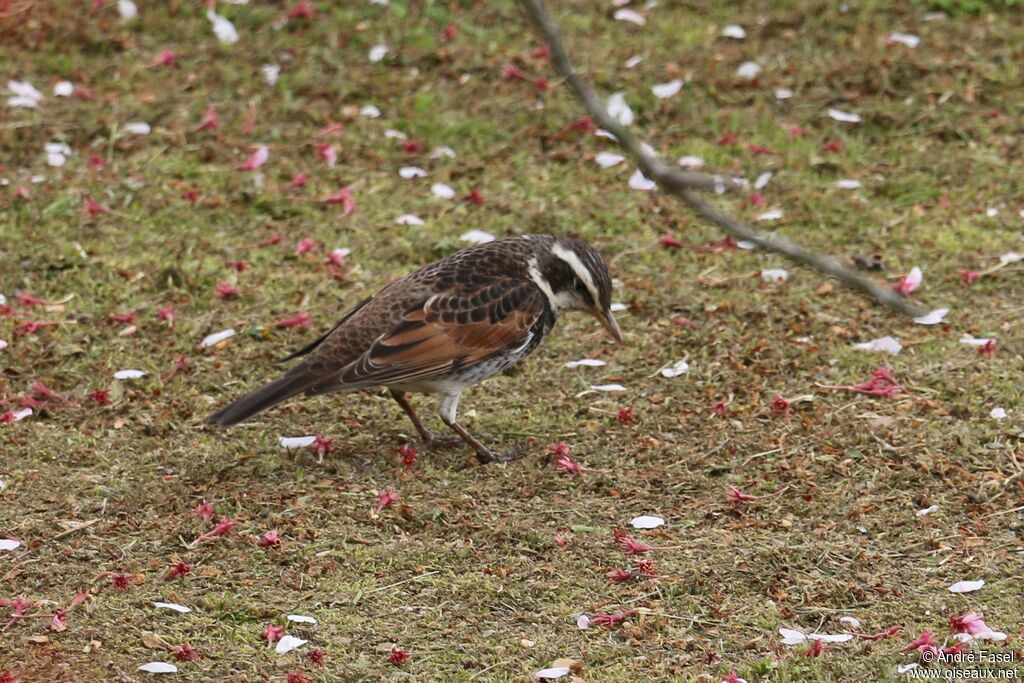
pixel 267 396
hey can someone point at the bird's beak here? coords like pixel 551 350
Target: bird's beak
pixel 609 323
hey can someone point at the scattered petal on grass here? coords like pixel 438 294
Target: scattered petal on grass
pixel 690 161
pixel 998 413
pixel 748 71
pixel 966 586
pixel 665 90
pixel 881 345
pixel 129 374
pixel 734 31
pixel 410 172
pixel 771 215
pixel 476 237
pixel 632 16
pixel 854 622
pixel 680 367
pixel 369 111
pixel 646 522
pixel 172 606
pixel 783 93
pixel 9 544
pixel 212 340
pixel 908 39
pixel 127 10
pixel 63 89
pixel 137 128
pixel 977 342
pixel 847 184
pixel 288 643
pixel 933 318
pixel 159 668
pixel 608 159
pixel 409 219
pixel 270 72
pixel 222 28
pixel 638 181
pixel 301 619
pixel 792 637
pixel 583 622
pixel 1010 257
pixel 762 180
pixel 774 275
pixel 377 53
pixel 607 387
pixel 256 159
pixel 443 191
pixel 297 441
pixel 910 282
pixel 926 511
pixel 553 673
pixel 585 362
pixel 844 117
pixel 24 94
pixel 633 62
pixel 616 307
pixel 619 110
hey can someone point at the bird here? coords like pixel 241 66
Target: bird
pixel 445 327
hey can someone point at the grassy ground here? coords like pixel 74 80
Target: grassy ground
pixel 479 573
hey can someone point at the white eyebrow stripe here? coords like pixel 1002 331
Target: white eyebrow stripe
pixel 582 272
pixel 558 303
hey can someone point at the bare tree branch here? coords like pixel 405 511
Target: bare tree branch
pixel 681 184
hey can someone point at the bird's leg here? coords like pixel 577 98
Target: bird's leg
pixel 425 434
pixel 449 407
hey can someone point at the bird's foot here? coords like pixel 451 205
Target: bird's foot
pixel 515 452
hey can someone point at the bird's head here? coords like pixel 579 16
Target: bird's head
pixel 575 277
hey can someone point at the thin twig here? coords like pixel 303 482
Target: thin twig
pixel 682 184
pixel 399 583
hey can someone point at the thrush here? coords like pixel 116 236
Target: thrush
pixel 447 326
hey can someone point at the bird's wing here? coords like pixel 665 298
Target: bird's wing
pixel 447 332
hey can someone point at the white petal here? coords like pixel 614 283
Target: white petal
pixel 663 90
pixel 646 522
pixel 970 340
pixel 847 184
pixel 583 622
pixel 297 441
pixel 774 275
pixel 631 16
pixel 216 338
pixel 25 90
pixel 933 318
pixel 393 134
pixel 966 586
pixel 690 162
pixel 998 413
pixel 926 511
pixel 20 415
pixel 608 159
pixel 159 668
pixel 783 93
pixel 734 31
pixel 748 70
pixel 991 212
pixel 616 307
pixel 762 180
pixel 913 279
pixel 25 102
pixel 908 39
pixel 1010 257
pixel 9 544
pixel 881 345
pixel 300 619
pixel 830 637
pixel 551 673
pixel 991 635
pixel 409 172
pixel 57 148
pixel 602 133
pixel 585 362
pixel 340 253
pixel 791 636
pixel 770 215
pixel 377 53
pixel 678 368
pixel 409 219
pixel 854 622
pixel 904 668
pixel 173 606
pixel 607 387
pixel 443 152
pixel 476 237
pixel 633 61
pixel 3 344
pixel 843 116
pixel 619 110
pixel 56 159
pixel 137 128
pixel 638 181
pixel 370 111
pixel 129 374
pixel 222 28
pixel 63 89
pixel 127 10
pixel 443 191
pixel 288 643
pixel 270 73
